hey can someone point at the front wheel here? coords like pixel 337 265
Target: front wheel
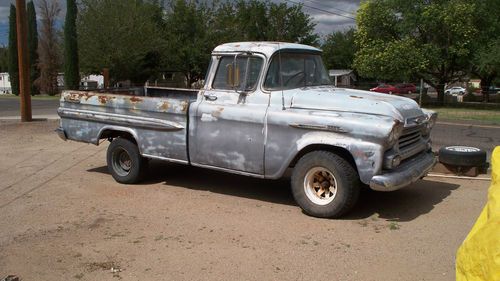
pixel 125 163
pixel 325 185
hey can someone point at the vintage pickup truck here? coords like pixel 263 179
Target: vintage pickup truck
pixel 265 108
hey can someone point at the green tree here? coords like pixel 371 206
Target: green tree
pixel 4 59
pixel 485 61
pixel 71 67
pixel 32 47
pixel 123 36
pixel 290 24
pixel 13 62
pixel 339 49
pixel 400 40
pixel 188 36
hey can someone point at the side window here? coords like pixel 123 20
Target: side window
pixel 247 69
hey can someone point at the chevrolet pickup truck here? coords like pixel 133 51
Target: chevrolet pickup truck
pixel 265 108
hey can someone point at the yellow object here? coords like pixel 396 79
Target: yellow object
pixel 478 258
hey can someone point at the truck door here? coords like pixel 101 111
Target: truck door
pixel 228 127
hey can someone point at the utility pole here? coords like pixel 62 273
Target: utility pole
pixel 23 59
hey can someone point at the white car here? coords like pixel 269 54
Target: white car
pixel 455 91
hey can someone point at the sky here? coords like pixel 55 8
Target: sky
pixel 329 15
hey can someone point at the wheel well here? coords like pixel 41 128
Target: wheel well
pixel 111 134
pixel 342 152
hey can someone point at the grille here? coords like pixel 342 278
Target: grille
pixel 411 142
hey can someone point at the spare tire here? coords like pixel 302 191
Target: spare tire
pixel 465 156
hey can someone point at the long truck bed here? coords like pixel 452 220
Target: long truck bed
pixel 159 123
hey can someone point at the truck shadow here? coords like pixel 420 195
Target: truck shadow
pixel 402 205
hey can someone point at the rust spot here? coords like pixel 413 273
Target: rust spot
pixel 102 99
pixel 135 99
pixel 164 106
pixel 356 97
pixel 184 105
pixel 216 113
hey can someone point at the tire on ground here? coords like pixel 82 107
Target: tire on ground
pixel 345 177
pixel 125 163
pixel 463 156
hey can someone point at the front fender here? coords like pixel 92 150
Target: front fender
pixel 367 155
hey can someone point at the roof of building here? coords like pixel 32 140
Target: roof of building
pixel 339 72
pixel 267 48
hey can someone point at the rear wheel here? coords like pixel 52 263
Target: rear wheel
pixel 125 163
pixel 325 185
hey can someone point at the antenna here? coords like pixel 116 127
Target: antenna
pixel 281 78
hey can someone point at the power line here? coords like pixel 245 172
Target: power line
pixel 344 11
pixel 319 9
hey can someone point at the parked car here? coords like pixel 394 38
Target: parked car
pixel 406 88
pixel 258 115
pixel 385 88
pixel 455 91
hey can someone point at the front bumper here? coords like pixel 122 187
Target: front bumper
pixel 407 173
pixel 60 132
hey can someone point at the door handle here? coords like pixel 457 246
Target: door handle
pixel 210 97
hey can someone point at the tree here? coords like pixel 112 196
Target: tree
pixel 401 40
pixel 290 24
pixel 123 36
pixel 71 68
pixel 339 49
pixel 13 60
pixel 188 36
pixel 4 59
pixel 485 61
pixel 32 46
pixel 48 48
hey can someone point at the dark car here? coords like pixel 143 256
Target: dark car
pixel 385 88
pixel 406 88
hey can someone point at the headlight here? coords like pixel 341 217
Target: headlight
pixel 395 133
pixel 431 121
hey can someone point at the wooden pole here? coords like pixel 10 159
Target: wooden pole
pixel 105 74
pixel 23 61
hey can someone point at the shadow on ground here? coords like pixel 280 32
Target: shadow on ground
pixel 402 205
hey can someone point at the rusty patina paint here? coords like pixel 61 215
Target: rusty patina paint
pixel 135 99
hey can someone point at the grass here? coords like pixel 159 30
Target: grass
pixel 486 116
pixel 56 97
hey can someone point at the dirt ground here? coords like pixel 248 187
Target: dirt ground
pixel 63 217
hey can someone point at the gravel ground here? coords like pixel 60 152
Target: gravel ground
pixel 64 218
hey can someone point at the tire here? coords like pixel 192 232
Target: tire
pixel 332 170
pixel 463 156
pixel 125 163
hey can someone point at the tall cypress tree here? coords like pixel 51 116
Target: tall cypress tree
pixel 13 63
pixel 32 46
pixel 71 68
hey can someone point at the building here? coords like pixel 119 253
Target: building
pixel 342 77
pixel 5 87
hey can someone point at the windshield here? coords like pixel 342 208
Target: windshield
pixel 289 70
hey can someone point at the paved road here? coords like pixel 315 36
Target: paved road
pixel 10 107
pixel 445 133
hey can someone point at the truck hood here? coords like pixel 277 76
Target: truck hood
pixel 338 99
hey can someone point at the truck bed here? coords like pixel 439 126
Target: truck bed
pixel 158 123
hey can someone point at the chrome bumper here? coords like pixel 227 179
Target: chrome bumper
pixel 409 172
pixel 60 132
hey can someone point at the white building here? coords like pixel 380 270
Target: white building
pixel 5 87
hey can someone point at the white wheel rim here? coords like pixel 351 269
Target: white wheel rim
pixel 320 186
